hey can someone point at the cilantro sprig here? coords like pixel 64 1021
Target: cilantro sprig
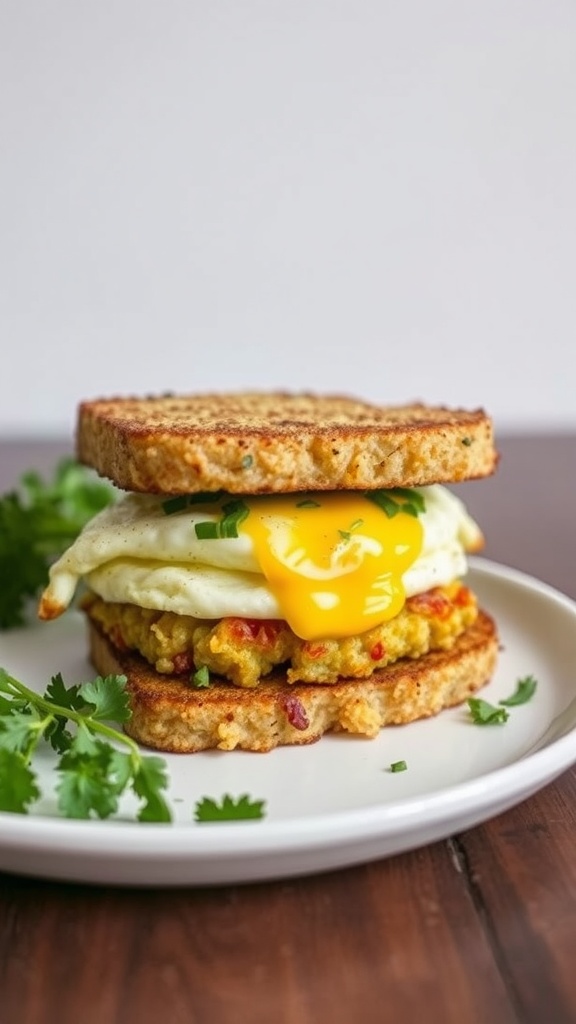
pixel 94 771
pixel 38 521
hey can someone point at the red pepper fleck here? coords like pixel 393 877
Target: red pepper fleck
pixel 262 632
pixel 432 602
pixel 463 597
pixel 296 713
pixel 315 651
pixel 182 662
pixel 377 652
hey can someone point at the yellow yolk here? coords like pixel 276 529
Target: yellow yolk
pixel 333 562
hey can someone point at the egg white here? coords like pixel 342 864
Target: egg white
pixel 133 552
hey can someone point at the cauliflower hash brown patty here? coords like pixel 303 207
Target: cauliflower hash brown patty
pixel 169 714
pixel 243 651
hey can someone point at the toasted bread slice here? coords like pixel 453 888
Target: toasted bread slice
pixel 256 443
pixel 169 715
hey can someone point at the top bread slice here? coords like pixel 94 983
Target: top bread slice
pixel 258 443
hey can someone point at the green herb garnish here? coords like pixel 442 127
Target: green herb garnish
pixel 467 441
pixel 525 690
pixel 207 530
pixel 235 512
pixel 247 461
pixel 484 713
pixel 205 497
pixel 346 534
pixel 176 504
pixel 93 772
pixel 308 503
pixel 38 521
pixel 398 766
pixel 201 677
pixel 180 502
pixel 229 809
pixel 398 499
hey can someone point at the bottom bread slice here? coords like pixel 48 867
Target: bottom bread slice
pixel 171 715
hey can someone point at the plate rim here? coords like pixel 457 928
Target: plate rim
pixel 314 832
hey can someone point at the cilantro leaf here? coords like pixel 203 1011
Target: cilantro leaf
pixel 108 697
pixel 241 809
pixel 65 696
pixel 18 786
pixel 149 781
pixel 18 732
pixel 484 713
pixel 525 690
pixel 86 787
pixel 38 521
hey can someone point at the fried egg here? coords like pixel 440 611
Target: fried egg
pixel 330 564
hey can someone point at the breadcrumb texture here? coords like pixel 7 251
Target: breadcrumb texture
pixel 256 442
pixel 169 715
pixel 244 651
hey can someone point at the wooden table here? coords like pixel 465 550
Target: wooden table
pixel 479 928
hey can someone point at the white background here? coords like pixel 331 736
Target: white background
pixel 358 195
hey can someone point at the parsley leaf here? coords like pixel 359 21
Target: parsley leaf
pixel 525 690
pixel 229 809
pixel 38 521
pixel 484 713
pixel 93 771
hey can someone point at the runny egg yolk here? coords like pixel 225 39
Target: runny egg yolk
pixel 333 562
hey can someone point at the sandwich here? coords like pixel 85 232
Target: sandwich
pixel 279 566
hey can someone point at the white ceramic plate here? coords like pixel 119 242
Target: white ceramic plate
pixel 332 804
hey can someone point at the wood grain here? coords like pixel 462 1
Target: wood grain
pixel 354 945
pixel 522 870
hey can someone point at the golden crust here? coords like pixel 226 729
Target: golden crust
pixel 252 443
pixel 169 715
